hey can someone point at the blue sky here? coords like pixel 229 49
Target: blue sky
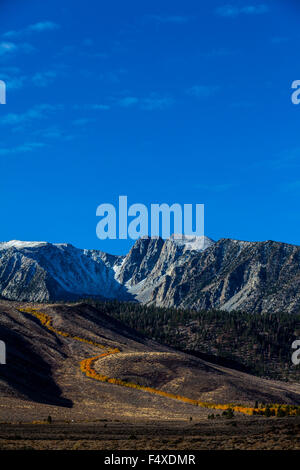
pixel 162 101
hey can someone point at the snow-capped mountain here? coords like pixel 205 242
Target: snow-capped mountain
pixel 192 242
pixel 186 273
pixel 41 271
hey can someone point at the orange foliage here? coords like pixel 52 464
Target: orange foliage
pixel 87 367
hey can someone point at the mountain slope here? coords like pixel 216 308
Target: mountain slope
pixel 43 271
pixel 187 273
pixel 228 275
pixel 46 375
pixel 236 275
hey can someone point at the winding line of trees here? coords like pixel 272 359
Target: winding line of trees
pixel 87 367
pixel 261 343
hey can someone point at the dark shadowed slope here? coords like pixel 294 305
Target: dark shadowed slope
pixel 45 367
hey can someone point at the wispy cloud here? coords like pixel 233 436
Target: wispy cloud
pixel 15 83
pixel 81 122
pixel 9 48
pixel 39 27
pixel 218 188
pixel 175 19
pixel 92 107
pixel 219 52
pixel 243 104
pixel 203 91
pixel 231 11
pixel 288 159
pixel 84 49
pixel 15 80
pixel 35 113
pixel 12 77
pixel 150 103
pixel 51 133
pixel 128 101
pixel 291 186
pixel 23 148
pixel 88 42
pixel 101 107
pixel 279 40
pixel 10 70
pixel 43 26
pixel 43 79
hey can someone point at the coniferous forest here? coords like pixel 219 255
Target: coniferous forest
pixel 260 344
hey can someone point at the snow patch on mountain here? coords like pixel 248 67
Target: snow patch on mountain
pixel 19 245
pixel 192 242
pixel 56 271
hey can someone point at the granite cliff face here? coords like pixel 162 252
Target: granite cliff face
pixel 187 273
pixel 40 272
pixel 235 275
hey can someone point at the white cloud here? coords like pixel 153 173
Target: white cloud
pixel 231 11
pixel 39 27
pixel 92 107
pixel 34 113
pixel 101 107
pixel 291 186
pixel 7 48
pixel 52 133
pixel 203 91
pixel 23 148
pixel 12 77
pixel 25 47
pixel 149 103
pixel 175 19
pixel 88 42
pixel 153 102
pixel 43 79
pixel 43 26
pixel 128 101
pixel 279 40
pixel 15 83
pixel 218 188
pixel 15 80
pixel 219 52
pixel 81 122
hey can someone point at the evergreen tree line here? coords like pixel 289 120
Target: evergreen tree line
pixel 261 343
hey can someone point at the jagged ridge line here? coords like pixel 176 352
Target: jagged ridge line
pixel 86 366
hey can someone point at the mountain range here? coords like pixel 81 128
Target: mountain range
pixel 181 272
